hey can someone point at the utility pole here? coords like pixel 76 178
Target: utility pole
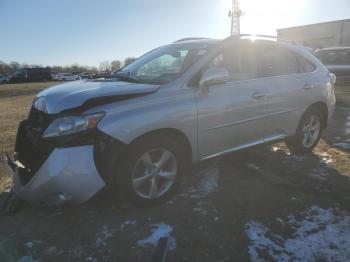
pixel 235 14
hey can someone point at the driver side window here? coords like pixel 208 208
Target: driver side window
pixel 239 61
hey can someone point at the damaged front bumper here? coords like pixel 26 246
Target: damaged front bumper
pixel 52 172
pixel 67 175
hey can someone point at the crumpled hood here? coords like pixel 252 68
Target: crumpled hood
pixel 74 94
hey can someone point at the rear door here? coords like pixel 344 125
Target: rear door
pixel 286 84
pixel 232 115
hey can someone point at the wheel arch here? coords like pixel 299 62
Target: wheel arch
pixel 175 134
pixel 322 107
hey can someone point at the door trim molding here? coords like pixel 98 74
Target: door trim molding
pixel 251 144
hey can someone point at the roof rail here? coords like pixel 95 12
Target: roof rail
pixel 190 38
pixel 237 36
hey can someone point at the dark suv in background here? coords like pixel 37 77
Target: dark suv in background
pixel 34 74
pixel 337 60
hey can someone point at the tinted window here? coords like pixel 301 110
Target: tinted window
pixel 305 65
pixel 276 61
pixel 239 61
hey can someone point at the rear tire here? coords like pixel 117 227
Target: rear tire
pixel 308 133
pixel 151 170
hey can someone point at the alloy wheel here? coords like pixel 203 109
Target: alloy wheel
pixel 154 173
pixel 311 130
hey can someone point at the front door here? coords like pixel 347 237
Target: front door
pixel 232 115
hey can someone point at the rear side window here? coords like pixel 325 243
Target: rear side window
pixel 305 65
pixel 276 61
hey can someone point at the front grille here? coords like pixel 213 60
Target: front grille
pixel 31 150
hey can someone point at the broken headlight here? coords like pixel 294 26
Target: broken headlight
pixel 72 124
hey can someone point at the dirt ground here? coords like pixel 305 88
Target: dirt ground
pixel 260 205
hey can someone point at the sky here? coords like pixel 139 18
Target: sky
pixel 87 32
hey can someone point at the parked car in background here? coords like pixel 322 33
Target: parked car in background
pixel 56 77
pixel 337 60
pixel 68 77
pixel 101 75
pixel 4 79
pixel 34 74
pixel 85 75
pixel 184 102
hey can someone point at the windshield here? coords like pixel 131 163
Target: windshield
pixel 163 64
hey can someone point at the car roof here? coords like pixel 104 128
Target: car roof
pixel 340 48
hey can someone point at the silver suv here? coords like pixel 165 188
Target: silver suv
pixel 139 130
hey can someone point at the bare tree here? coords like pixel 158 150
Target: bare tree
pixel 129 60
pixel 105 66
pixel 115 65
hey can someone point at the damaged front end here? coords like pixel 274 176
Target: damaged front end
pixel 49 168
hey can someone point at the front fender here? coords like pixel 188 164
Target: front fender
pixel 130 119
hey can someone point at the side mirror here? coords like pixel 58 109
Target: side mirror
pixel 214 76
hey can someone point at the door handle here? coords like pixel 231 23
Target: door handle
pixel 308 87
pixel 258 95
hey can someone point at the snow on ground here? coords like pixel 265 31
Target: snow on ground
pixel 347 125
pixel 320 173
pixel 102 236
pixel 326 158
pixel 158 231
pixel 126 224
pixel 343 144
pixel 208 183
pixel 253 166
pixel 27 259
pixel 322 235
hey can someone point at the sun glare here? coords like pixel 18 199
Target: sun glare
pixel 264 17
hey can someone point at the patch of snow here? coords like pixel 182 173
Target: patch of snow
pixel 323 235
pixel 319 173
pixel 275 148
pixel 31 244
pixel 347 125
pixel 158 231
pixel 326 158
pixel 280 220
pixel 27 259
pixel 103 236
pixel 126 224
pixel 342 145
pixel 204 207
pixel 253 166
pixel 208 184
pixel 91 259
pixel 298 158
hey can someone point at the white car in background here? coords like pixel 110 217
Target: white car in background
pixel 4 79
pixel 68 77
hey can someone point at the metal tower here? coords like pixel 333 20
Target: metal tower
pixel 235 15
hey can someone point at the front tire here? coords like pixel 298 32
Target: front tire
pixel 150 172
pixel 308 133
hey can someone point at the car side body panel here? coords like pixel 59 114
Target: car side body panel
pixel 170 107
